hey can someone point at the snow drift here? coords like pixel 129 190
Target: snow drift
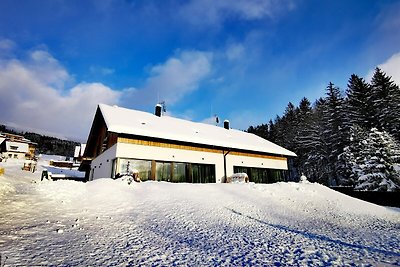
pixel 108 222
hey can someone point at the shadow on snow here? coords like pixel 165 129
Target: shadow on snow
pixel 317 236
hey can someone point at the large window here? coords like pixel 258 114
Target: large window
pixel 177 172
pixel 127 166
pixel 203 173
pixel 261 175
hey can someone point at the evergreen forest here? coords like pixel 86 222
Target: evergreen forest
pixel 346 138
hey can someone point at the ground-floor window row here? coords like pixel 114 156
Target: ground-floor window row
pixel 176 172
pixel 261 175
pixel 184 172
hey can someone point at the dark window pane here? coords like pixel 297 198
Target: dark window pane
pixel 261 175
pixel 163 171
pixel 179 173
pixel 203 173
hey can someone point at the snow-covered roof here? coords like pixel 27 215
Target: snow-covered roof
pixel 129 121
pixel 2 140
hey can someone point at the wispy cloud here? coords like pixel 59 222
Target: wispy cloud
pixel 209 12
pixel 6 45
pixel 235 51
pixel 6 48
pixel 172 80
pixel 101 70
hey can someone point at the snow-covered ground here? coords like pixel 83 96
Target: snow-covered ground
pixel 110 223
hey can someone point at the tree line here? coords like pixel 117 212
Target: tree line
pixel 348 138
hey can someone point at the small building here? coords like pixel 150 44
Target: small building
pixel 14 146
pixel 164 148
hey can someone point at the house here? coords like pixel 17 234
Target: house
pixel 16 146
pixel 163 148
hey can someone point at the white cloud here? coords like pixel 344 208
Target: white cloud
pixel 33 94
pixel 210 12
pixel 47 69
pixel 30 97
pixel 172 80
pixel 391 67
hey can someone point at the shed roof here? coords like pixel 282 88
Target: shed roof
pixel 129 121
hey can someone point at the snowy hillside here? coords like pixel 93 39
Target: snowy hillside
pixel 110 223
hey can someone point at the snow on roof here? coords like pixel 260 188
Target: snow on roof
pixel 129 121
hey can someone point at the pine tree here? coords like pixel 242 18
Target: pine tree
pixel 304 120
pixel 289 126
pixel 271 131
pixel 347 160
pixel 314 144
pixel 384 100
pixel 376 162
pixel 358 111
pixel 335 132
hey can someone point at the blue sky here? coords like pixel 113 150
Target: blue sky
pixel 243 60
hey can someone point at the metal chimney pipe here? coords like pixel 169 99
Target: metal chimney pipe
pixel 158 110
pixel 226 124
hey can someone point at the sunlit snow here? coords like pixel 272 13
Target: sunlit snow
pixel 110 223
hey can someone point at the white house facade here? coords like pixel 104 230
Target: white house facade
pixel 14 146
pixel 164 148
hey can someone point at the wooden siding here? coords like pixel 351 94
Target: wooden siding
pixel 195 148
pixel 95 144
pixel 112 139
